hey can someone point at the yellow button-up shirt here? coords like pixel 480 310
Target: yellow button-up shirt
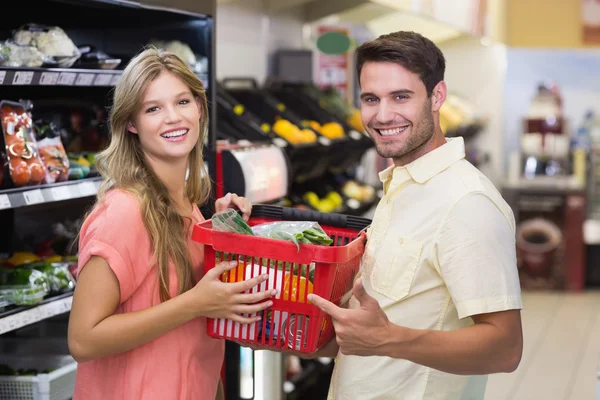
pixel 441 248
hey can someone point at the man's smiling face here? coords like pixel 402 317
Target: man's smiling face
pixel 395 109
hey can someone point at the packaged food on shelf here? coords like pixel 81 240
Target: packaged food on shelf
pixel 23 286
pixel 55 159
pixel 17 56
pixel 52 41
pixel 59 277
pixel 25 164
pixel 91 57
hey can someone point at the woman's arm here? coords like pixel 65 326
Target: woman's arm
pixel 96 331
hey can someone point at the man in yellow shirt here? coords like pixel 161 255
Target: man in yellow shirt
pixel 437 307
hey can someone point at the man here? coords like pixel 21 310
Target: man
pixel 437 306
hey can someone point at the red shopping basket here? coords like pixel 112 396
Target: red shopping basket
pixel 328 271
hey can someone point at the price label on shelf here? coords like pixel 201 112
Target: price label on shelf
pixel 33 197
pixel 23 78
pixel 49 78
pixel 87 189
pixel 4 202
pixel 2 76
pixel 115 79
pixel 60 193
pixel 103 80
pixel 66 78
pixel 84 80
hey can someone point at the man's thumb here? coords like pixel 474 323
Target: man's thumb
pixel 360 293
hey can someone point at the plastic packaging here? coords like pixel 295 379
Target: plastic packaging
pixel 14 55
pixel 51 41
pixel 58 276
pixel 22 286
pixel 25 164
pixel 55 159
pixel 230 221
pixel 299 232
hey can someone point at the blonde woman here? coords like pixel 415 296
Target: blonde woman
pixel 138 320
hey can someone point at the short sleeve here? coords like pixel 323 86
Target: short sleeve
pixel 115 231
pixel 477 257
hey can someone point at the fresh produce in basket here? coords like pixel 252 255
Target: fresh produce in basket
pixel 299 232
pixel 230 221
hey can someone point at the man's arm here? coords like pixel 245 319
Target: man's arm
pixel 493 344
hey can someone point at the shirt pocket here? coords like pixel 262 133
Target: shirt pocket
pixel 395 268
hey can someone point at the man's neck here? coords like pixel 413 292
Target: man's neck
pixel 437 140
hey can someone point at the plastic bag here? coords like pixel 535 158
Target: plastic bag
pixel 15 55
pixel 230 221
pixel 25 164
pixel 51 41
pixel 299 232
pixel 23 286
pixel 58 276
pixel 55 159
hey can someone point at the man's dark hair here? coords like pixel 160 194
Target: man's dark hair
pixel 411 50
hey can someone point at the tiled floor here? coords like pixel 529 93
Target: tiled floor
pixel 561 351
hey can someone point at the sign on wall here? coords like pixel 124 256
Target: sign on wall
pixel 590 21
pixel 332 58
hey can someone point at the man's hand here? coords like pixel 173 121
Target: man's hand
pixel 362 331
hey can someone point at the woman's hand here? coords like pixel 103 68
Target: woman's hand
pixel 232 200
pixel 215 299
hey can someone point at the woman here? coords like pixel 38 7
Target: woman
pixel 138 321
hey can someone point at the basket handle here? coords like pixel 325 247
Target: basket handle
pixel 295 214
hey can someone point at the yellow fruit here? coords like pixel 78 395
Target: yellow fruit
pixel 53 259
pixel 355 121
pixel 336 198
pixel 312 198
pixel 83 161
pixel 238 109
pixel 332 130
pixel 315 126
pixel 20 258
pixel 308 135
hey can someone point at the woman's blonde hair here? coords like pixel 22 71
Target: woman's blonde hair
pixel 123 165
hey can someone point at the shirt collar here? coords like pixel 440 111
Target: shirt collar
pixel 426 167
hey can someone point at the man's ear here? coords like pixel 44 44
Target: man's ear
pixel 131 128
pixel 438 96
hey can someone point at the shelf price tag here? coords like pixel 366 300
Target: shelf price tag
pixel 2 76
pixel 23 78
pixel 87 189
pixel 33 197
pixel 61 193
pixel 115 79
pixel 103 80
pixel 4 202
pixel 84 80
pixel 49 78
pixel 66 78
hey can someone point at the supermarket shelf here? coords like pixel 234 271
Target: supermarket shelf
pixel 19 317
pixel 30 195
pixel 65 77
pixel 58 77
